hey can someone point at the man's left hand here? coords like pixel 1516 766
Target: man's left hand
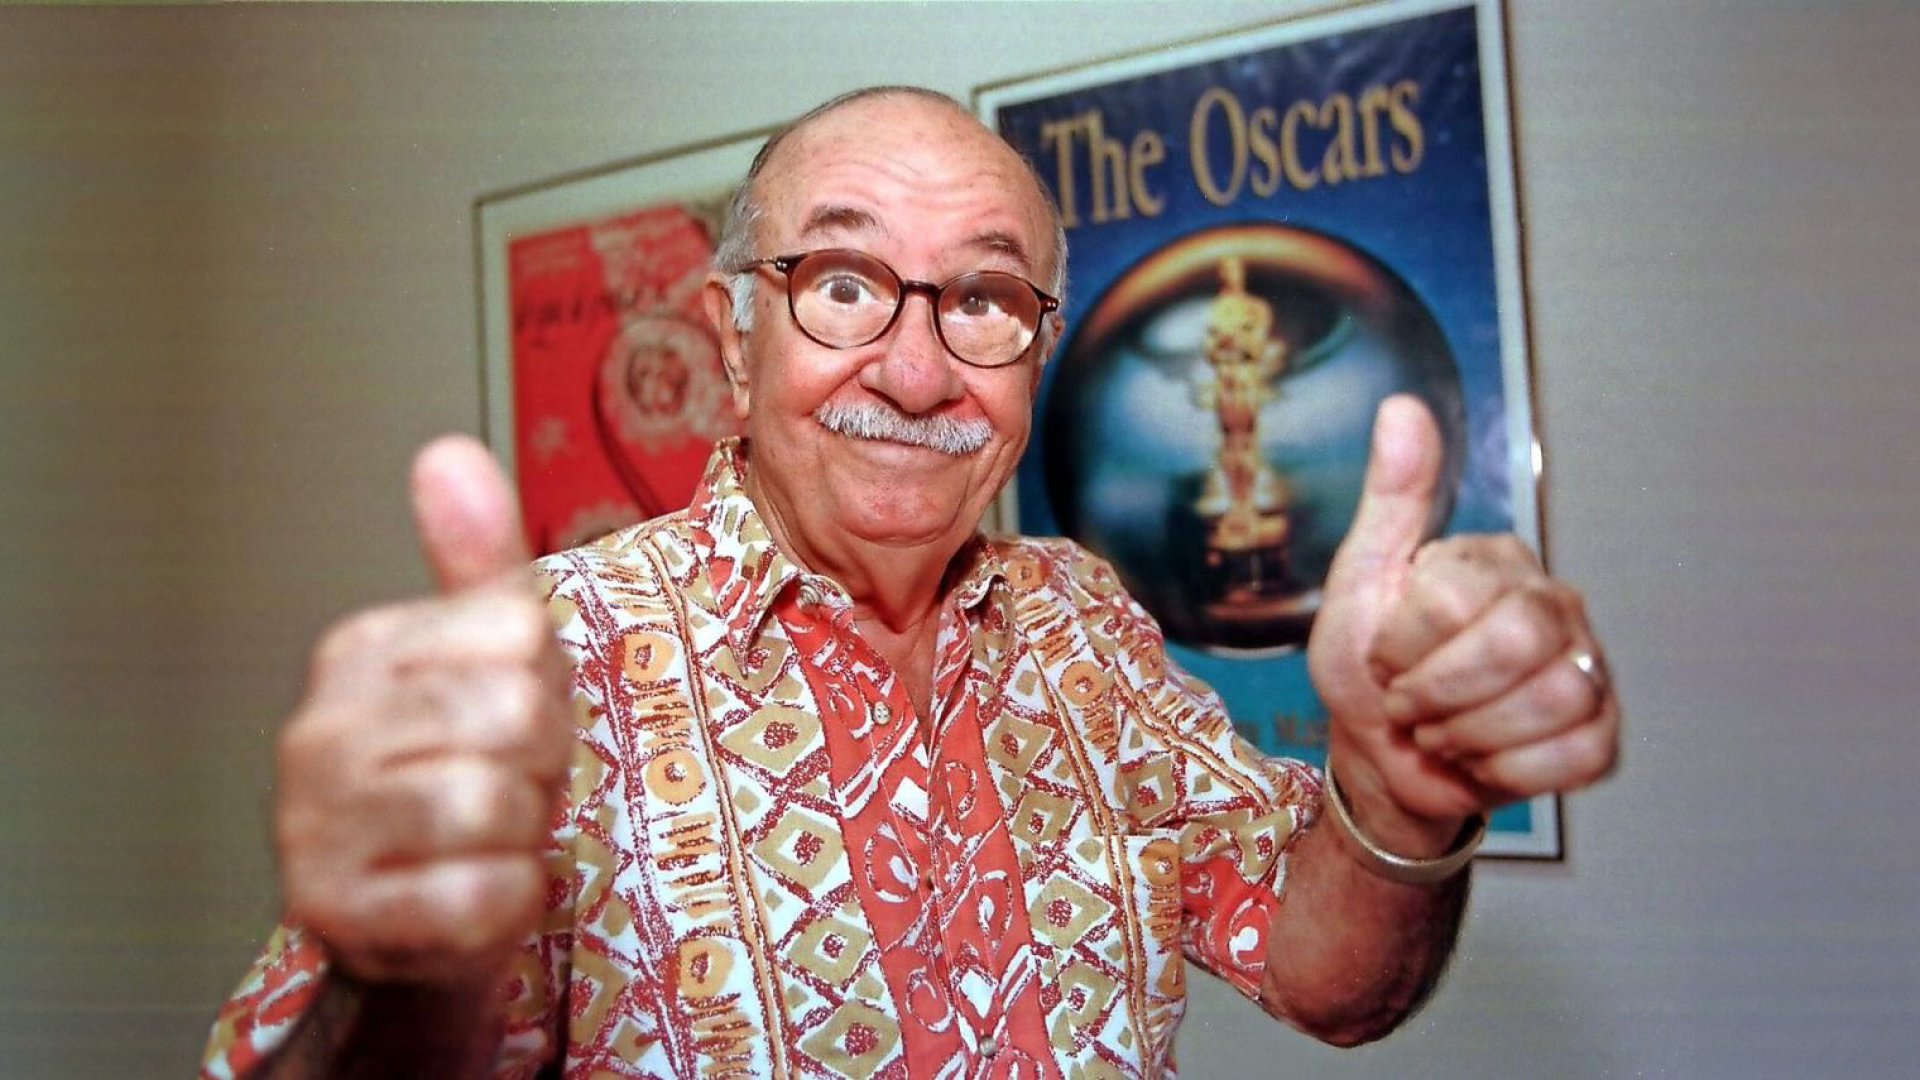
pixel 1457 675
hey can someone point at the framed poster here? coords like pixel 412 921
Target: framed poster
pixel 1270 232
pixel 603 387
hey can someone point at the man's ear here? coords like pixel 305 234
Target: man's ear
pixel 717 297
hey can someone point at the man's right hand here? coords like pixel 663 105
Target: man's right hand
pixel 418 776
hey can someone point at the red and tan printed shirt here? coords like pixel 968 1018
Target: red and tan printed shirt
pixel 764 868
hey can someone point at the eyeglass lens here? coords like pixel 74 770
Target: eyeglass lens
pixel 843 299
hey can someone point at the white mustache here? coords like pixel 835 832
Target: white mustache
pixel 873 420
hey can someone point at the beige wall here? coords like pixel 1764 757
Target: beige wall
pixel 236 290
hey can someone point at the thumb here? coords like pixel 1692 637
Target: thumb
pixel 465 514
pixel 1396 500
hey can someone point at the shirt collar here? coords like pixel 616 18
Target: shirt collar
pixel 741 573
pixel 739 570
pixel 981 566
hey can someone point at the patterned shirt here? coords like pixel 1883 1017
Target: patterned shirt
pixel 764 867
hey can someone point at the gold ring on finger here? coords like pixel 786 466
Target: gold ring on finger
pixel 1589 664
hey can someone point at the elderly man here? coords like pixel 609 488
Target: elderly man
pixel 816 780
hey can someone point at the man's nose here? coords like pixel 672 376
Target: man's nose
pixel 916 372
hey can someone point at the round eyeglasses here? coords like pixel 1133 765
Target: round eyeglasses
pixel 844 299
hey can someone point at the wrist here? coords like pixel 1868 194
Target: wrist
pixel 1398 845
pixel 1381 818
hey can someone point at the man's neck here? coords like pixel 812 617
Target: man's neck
pixel 897 592
pixel 898 588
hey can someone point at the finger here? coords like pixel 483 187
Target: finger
pixel 1572 759
pixel 1514 637
pixel 1397 497
pixel 1422 784
pixel 1554 699
pixel 1451 583
pixel 513 715
pixel 450 806
pixel 422 922
pixel 466 514
pixel 502 622
pixel 1434 606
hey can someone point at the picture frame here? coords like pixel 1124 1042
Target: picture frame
pixel 601 382
pixel 1270 231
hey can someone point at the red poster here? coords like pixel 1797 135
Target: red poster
pixel 618 391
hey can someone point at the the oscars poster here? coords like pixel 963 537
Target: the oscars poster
pixel 603 380
pixel 1269 233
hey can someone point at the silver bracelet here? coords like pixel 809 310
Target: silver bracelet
pixel 1398 867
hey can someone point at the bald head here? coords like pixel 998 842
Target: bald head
pixel 883 107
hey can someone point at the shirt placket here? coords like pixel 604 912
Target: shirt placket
pixel 936 845
pixel 938 851
pixel 949 846
pixel 868 714
pixel 962 848
pixel 931 849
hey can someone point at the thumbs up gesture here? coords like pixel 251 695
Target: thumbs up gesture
pixel 1457 675
pixel 417 776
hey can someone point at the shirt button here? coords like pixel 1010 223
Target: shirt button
pixel 988 1047
pixel 882 715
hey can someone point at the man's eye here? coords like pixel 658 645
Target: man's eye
pixel 977 304
pixel 846 290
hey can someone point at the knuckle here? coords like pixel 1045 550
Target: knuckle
pixel 465 900
pixel 317 899
pixel 1509 548
pixel 488 905
pixel 1568 598
pixel 520 621
pixel 439 811
pixel 469 789
pixel 1512 640
pixel 490 803
pixel 1568 761
pixel 349 639
pixel 303 742
pixel 296 831
pixel 1562 691
pixel 313 751
pixel 1539 602
pixel 519 707
pixel 1528 627
pixel 459 807
pixel 524 888
pixel 1445 606
pixel 429 698
pixel 1591 753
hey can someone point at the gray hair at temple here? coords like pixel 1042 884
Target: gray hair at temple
pixel 736 246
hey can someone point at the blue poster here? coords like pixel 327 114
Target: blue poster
pixel 1269 233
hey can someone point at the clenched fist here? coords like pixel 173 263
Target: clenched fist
pixel 1457 674
pixel 417 777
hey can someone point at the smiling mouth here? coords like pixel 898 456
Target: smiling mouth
pixel 884 423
